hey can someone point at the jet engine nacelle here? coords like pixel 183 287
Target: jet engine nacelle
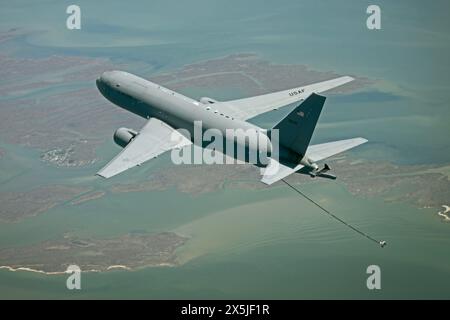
pixel 206 100
pixel 123 136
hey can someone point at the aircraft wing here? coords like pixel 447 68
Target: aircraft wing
pixel 314 153
pixel 155 138
pixel 250 107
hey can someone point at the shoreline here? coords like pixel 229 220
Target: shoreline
pixel 12 269
pixel 444 213
pixel 109 268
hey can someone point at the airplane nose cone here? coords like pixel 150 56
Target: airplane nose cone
pixel 99 83
pixel 111 78
pixel 106 77
pixel 105 80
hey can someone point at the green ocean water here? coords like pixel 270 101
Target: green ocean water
pixel 265 243
pixel 270 245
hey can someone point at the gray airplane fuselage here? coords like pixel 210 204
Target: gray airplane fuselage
pixel 150 100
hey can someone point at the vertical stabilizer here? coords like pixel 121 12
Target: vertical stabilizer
pixel 296 129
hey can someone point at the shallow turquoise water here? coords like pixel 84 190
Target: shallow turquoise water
pixel 287 250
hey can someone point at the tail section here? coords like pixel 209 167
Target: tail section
pixel 296 129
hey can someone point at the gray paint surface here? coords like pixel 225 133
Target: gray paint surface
pixel 170 111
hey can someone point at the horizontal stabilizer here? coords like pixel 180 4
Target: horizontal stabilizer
pixel 276 170
pixel 325 150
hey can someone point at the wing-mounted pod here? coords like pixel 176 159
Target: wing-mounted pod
pixel 123 136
